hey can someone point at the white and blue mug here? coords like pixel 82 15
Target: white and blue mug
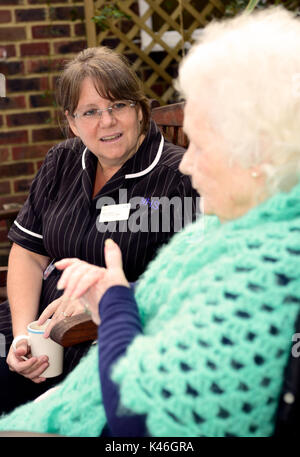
pixel 43 346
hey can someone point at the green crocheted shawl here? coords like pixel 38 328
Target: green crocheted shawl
pixel 218 306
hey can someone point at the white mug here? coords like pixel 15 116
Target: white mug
pixel 43 346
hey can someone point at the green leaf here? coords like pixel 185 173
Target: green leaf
pixel 251 5
pixel 108 12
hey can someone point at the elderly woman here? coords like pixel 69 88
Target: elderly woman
pixel 200 347
pixel 116 158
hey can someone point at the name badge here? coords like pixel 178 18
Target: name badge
pixel 111 213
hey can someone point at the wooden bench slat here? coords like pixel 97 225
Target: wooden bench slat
pixel 169 115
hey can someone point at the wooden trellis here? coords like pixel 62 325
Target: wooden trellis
pixel 131 42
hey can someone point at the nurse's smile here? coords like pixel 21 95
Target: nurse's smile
pixel 112 138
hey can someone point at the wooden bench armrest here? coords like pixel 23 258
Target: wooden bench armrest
pixel 169 115
pixel 169 119
pixel 74 330
pixel 70 331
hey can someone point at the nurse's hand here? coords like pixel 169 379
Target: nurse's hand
pixel 86 282
pixel 59 309
pixel 32 368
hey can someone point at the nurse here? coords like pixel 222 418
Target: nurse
pixel 115 155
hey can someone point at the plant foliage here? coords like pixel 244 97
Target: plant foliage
pixel 106 13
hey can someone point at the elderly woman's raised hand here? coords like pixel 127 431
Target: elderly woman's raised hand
pixel 87 283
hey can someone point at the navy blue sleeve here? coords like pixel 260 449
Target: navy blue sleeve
pixel 120 324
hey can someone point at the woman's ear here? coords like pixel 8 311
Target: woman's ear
pixel 71 123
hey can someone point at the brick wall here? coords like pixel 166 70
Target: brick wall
pixel 37 36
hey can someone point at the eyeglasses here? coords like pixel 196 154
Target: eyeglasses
pixel 117 109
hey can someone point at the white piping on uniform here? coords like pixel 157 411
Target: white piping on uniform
pixel 152 165
pixel 27 231
pixel 82 160
pixel 140 173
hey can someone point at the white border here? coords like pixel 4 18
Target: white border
pixel 28 231
pixel 152 165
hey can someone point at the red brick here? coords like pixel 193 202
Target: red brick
pixel 4 187
pixel 10 50
pixel 22 185
pixel 3 227
pixel 27 84
pixel 44 65
pixel 4 154
pixel 39 164
pixel 39 100
pixel 12 33
pixel 3 53
pixel 12 199
pixel 14 137
pixel 12 102
pixel 30 152
pixel 47 134
pixel 3 235
pixel 32 118
pixel 44 84
pixel 50 31
pixel 34 49
pixel 30 15
pixel 66 47
pixel 79 29
pixel 11 68
pixel 38 66
pixel 16 169
pixel 5 16
pixel 11 2
pixel 55 80
pixel 67 13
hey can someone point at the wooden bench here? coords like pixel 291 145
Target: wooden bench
pixel 80 328
pixel 169 119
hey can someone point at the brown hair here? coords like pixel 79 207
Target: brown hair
pixel 112 76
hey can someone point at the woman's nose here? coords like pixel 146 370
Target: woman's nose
pixel 107 118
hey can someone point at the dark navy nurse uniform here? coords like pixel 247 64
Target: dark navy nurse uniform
pixel 60 218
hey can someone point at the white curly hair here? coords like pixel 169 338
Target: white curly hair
pixel 246 72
